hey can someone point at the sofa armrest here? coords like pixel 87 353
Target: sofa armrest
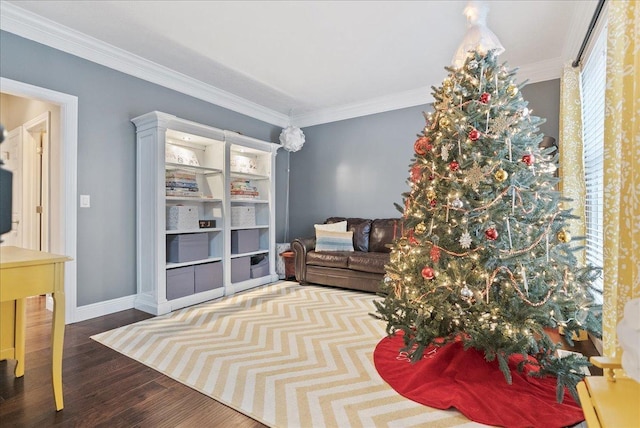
pixel 301 246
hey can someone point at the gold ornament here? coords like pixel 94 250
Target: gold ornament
pixel 512 90
pixel 445 122
pixel 431 194
pixel 420 228
pixel 447 84
pixel 501 175
pixel 564 236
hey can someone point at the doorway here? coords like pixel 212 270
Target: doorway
pixel 26 154
pixel 61 200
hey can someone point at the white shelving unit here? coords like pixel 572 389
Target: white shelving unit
pixel 167 144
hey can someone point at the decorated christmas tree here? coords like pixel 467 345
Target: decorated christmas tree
pixel 485 256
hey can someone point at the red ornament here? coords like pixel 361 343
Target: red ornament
pixel 431 177
pixel 485 97
pixel 412 238
pixel 428 272
pixel 474 135
pixel 416 173
pixel 491 234
pixel 435 254
pixel 421 146
pixel 433 203
pixel 453 166
pixel 528 159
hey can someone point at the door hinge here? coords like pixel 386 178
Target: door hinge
pixel 39 209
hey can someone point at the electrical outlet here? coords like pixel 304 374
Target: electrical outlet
pixel 85 201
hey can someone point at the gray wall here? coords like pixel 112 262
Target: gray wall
pixel 544 100
pixel 359 167
pixel 355 167
pixel 107 100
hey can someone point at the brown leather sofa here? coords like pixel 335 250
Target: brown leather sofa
pixel 362 269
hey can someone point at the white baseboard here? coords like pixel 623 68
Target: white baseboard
pixel 99 309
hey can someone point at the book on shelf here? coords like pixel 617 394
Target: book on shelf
pixel 183 193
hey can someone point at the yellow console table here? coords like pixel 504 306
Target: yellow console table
pixel 25 273
pixel 607 401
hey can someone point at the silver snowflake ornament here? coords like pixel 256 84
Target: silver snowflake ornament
pixel 501 124
pixel 475 176
pixel 465 240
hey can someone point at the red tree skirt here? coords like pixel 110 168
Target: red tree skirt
pixel 453 377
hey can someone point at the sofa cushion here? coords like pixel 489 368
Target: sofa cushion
pixel 368 262
pixel 383 231
pixel 328 240
pixel 361 228
pixel 336 226
pixel 339 259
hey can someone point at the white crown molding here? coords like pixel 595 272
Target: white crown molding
pixel 541 71
pixel 411 98
pixel 532 73
pixel 34 27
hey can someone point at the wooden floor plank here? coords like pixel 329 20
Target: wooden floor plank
pixel 101 387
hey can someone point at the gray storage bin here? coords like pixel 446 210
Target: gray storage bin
pixel 180 282
pixel 245 241
pixel 240 269
pixel 260 269
pixel 187 247
pixel 208 276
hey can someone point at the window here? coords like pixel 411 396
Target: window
pixel 593 103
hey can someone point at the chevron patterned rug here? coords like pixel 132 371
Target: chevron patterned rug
pixel 283 354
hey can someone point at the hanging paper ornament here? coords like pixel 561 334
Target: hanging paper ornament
pixel 457 203
pixel 528 159
pixel 491 234
pixel 435 254
pixel 512 90
pixel 444 122
pixel 501 175
pixel 466 292
pixel 421 146
pixel 416 173
pixel 420 228
pixel 474 134
pixel 431 194
pixel 428 272
pixel 454 166
pixel 485 98
pixel 564 236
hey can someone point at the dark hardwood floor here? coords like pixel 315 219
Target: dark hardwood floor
pixel 102 388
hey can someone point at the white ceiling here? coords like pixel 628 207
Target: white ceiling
pixel 306 62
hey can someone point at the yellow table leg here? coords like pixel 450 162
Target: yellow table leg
pixel 57 336
pixel 20 334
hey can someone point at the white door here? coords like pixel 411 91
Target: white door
pixel 11 152
pixel 35 153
